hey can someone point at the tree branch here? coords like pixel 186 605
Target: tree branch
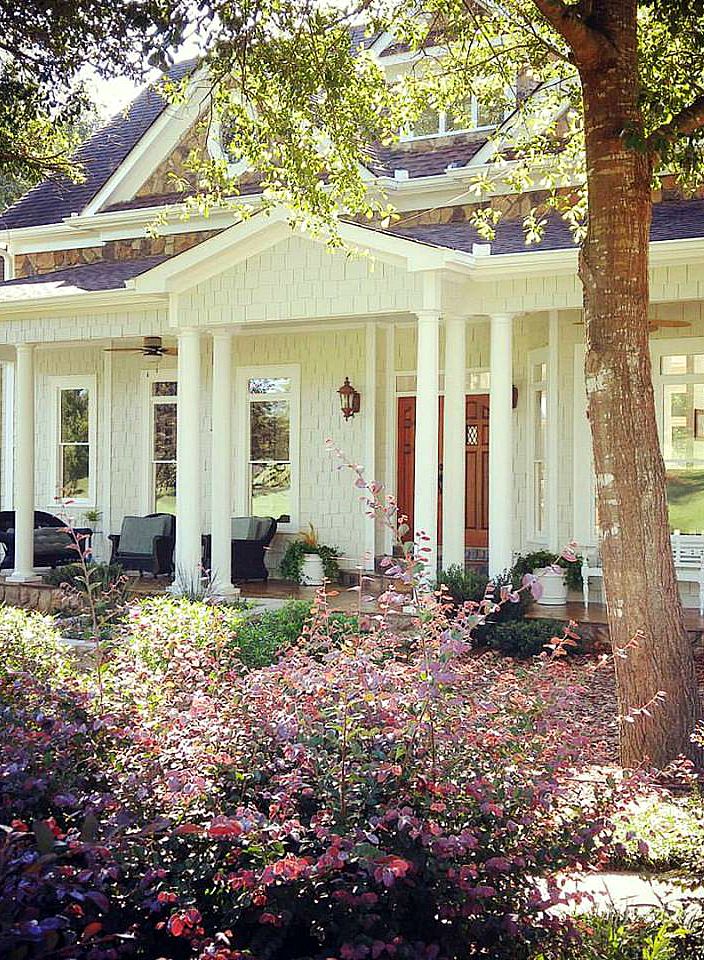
pixel 685 122
pixel 589 46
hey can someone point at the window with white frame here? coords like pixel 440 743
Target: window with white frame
pixel 678 368
pixel 74 415
pixel 471 114
pixel 537 441
pixel 163 410
pixel 271 432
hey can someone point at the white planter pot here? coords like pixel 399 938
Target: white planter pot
pixel 312 572
pixel 554 587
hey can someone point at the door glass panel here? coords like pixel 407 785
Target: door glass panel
pixel 683 451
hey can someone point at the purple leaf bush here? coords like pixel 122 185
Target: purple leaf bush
pixel 384 795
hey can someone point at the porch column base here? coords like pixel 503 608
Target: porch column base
pixel 23 576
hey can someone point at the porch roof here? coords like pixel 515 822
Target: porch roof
pixel 83 278
pixel 672 220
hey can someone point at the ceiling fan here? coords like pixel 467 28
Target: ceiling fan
pixel 151 347
pixel 653 325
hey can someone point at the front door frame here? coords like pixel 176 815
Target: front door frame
pixel 399 375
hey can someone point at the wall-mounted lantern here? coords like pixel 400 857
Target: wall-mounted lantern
pixel 349 399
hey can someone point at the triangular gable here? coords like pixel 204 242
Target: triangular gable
pixel 262 231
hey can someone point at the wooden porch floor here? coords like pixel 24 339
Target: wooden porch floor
pixel 276 592
pixel 595 615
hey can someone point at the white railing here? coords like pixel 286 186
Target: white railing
pixel 687 552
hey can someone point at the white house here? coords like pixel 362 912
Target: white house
pixel 467 356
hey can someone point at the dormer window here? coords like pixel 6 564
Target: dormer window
pixel 472 115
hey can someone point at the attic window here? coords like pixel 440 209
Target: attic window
pixel 470 115
pixel 219 147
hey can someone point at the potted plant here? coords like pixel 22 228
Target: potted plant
pixel 309 562
pixel 93 517
pixel 557 574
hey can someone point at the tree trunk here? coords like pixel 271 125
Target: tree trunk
pixel 639 578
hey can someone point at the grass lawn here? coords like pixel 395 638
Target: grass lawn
pixel 685 496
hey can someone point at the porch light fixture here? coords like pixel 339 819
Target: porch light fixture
pixel 349 399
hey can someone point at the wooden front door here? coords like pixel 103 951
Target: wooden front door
pixel 477 466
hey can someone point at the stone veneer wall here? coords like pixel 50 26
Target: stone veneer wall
pixel 31 264
pixel 172 174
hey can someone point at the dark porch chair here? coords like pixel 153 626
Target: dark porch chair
pixel 53 546
pixel 250 538
pixel 146 544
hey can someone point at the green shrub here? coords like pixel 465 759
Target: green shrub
pixel 524 638
pixel 627 936
pixel 262 637
pixel 461 584
pixel 30 644
pixel 664 835
pixel 104 574
pixel 529 562
pixel 292 560
pixel 158 626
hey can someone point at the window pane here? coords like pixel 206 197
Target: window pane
pixel 459 117
pixel 478 380
pixel 540 372
pixel 271 490
pixel 165 388
pixel 679 364
pixel 489 114
pixel 165 431
pixel 683 451
pixel 540 420
pixel 165 488
pixel 264 385
pixel 427 123
pixel 539 496
pixel 270 427
pixel 74 471
pixel 74 416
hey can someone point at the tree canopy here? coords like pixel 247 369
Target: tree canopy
pixel 45 50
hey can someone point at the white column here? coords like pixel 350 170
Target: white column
pixel 500 445
pixel 24 466
pixel 390 423
pixel 369 413
pixel 454 444
pixel 553 433
pixel 188 456
pixel 425 500
pixel 221 500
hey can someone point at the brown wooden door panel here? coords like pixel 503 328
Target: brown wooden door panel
pixel 477 465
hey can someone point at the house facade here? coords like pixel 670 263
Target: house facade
pixel 195 369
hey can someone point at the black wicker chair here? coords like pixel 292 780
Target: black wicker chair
pixel 250 538
pixel 146 544
pixel 53 545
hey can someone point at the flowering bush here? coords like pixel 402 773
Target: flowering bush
pixel 364 801
pixel 366 796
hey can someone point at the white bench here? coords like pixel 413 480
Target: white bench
pixel 687 552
